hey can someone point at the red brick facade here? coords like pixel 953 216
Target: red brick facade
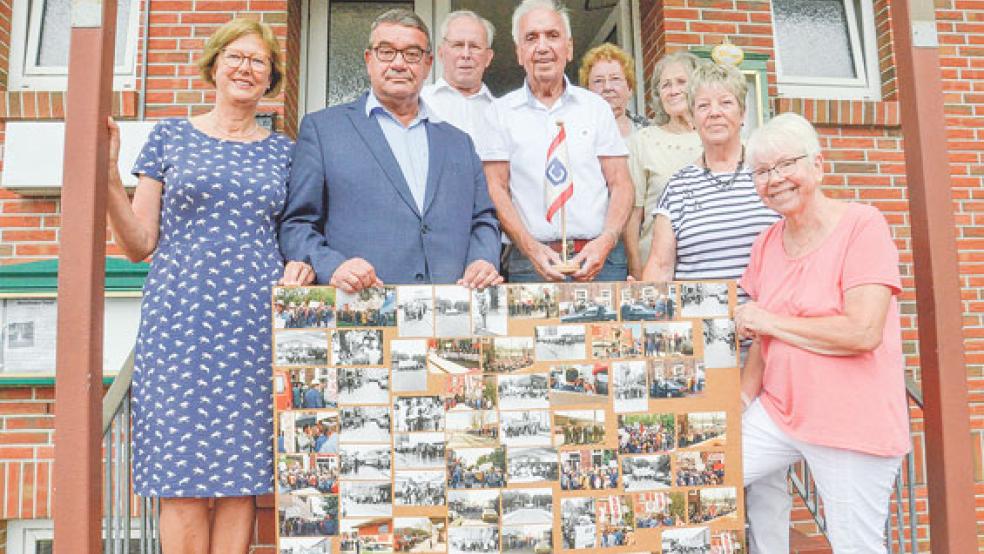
pixel 862 143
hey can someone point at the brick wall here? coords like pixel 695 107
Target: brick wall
pixel 27 424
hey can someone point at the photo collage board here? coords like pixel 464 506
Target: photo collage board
pixel 522 419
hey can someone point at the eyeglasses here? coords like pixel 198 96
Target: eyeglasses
pixel 411 54
pixel 602 82
pixel 783 169
pixel 459 47
pixel 234 60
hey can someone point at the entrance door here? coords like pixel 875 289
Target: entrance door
pixel 336 32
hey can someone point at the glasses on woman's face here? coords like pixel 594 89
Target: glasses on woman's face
pixel 386 53
pixel 234 60
pixel 783 168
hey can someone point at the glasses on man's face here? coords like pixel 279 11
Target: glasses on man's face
pixel 460 47
pixel 783 169
pixel 234 60
pixel 411 54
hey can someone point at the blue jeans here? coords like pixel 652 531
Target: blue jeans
pixel 521 270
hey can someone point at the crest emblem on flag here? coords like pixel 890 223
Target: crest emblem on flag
pixel 558 185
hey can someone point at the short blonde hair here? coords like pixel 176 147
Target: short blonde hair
pixel 607 52
pixel 689 63
pixel 716 75
pixel 234 30
pixel 788 132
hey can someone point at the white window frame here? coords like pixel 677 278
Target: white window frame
pixel 864 52
pixel 25 35
pixel 23 535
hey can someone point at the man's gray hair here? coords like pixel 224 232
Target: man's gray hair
pixel 529 5
pixel 403 17
pixel 786 133
pixel 489 27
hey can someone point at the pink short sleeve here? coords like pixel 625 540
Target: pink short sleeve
pixel 872 257
pixel 750 279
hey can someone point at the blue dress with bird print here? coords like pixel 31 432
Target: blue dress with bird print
pixel 202 403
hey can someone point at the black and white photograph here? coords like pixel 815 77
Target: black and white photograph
pixel 409 360
pixel 676 378
pixel 584 302
pixel 366 424
pixel 472 391
pixel 647 301
pixel 578 427
pixel 707 299
pixel 307 474
pixel 703 429
pixel 357 347
pixel 615 521
pixel 646 472
pixel 471 428
pixel 305 545
pixel 488 311
pixel 366 498
pixel 527 391
pixel 559 342
pixel 308 516
pixel 303 308
pixel 370 307
pixel 310 388
pixel 419 488
pixel 533 301
pixel 525 428
pixel 416 414
pixel 476 468
pixel 308 432
pixel 508 354
pixel 656 509
pixel 612 341
pixel 688 540
pixel 578 384
pixel 699 469
pixel 588 470
pixel 415 311
pixel 578 523
pixel 367 534
pixel 473 507
pixel 420 534
pixel 366 461
pixel 708 504
pixel 452 316
pixel 720 348
pixel 419 450
pixel 454 356
pixel 669 338
pixel 293 348
pixel 527 506
pixel 363 385
pixel 533 464
pixel 645 433
pixel 629 382
pixel 468 540
pixel 527 539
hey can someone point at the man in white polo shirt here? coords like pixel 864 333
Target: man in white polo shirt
pixel 460 97
pixel 514 151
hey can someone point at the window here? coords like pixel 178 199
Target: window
pixel 826 49
pixel 40 32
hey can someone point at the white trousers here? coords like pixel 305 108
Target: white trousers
pixel 855 488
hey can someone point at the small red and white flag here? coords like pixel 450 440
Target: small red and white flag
pixel 558 184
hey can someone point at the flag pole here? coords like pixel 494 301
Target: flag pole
pixel 563 234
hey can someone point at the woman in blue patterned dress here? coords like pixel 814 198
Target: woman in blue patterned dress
pixel 210 193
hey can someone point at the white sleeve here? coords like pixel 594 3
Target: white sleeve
pixel 492 140
pixel 609 139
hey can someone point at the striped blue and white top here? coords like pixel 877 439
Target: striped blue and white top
pixel 715 220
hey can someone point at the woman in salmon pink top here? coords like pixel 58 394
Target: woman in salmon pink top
pixel 824 380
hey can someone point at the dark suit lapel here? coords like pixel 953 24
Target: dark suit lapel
pixel 375 141
pixel 435 167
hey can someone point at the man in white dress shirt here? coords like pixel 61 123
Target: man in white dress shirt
pixel 460 97
pixel 513 148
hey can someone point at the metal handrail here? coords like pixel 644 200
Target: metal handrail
pixel 905 485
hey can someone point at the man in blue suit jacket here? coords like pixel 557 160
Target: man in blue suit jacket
pixel 380 193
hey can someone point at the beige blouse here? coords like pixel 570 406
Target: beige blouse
pixel 654 156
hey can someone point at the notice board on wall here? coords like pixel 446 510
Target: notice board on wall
pixel 526 418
